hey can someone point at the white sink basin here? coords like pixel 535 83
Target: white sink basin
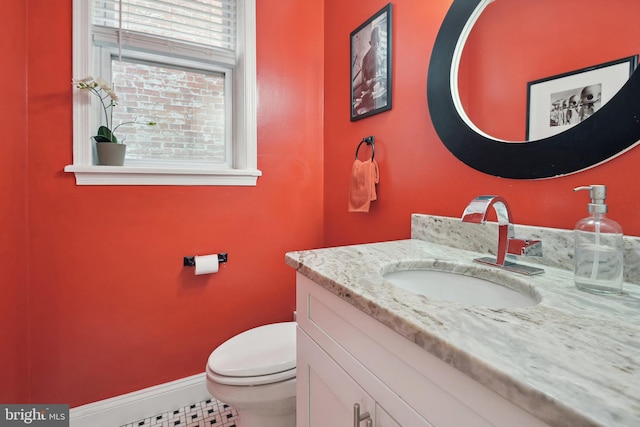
pixel 494 292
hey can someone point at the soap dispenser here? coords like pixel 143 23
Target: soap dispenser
pixel 598 247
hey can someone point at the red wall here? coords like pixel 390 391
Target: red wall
pixel 111 308
pixel 417 173
pixel 14 285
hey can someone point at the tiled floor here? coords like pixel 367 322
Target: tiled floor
pixel 210 413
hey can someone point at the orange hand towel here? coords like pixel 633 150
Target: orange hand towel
pixel 362 188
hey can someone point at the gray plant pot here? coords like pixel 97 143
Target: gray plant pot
pixel 111 154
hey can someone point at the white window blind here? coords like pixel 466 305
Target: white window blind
pixel 208 23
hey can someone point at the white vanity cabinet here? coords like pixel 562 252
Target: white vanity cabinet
pixel 346 357
pixel 330 394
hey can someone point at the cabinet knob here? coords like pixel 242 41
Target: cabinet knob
pixel 357 418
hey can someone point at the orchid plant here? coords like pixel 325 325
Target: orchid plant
pixel 108 99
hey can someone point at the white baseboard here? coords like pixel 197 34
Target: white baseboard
pixel 141 404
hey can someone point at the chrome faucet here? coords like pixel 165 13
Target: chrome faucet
pixel 476 212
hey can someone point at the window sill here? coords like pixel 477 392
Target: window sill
pixel 130 175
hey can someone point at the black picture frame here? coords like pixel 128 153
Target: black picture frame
pixel 557 103
pixel 371 65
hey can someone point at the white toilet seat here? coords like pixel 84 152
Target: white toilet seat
pixel 250 381
pixel 262 355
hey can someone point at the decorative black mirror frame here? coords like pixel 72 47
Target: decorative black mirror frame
pixel 612 130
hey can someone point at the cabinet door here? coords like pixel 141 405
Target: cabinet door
pixel 383 419
pixel 326 394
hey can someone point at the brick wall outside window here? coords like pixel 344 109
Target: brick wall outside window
pixel 188 107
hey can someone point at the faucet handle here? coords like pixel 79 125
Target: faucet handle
pixel 524 247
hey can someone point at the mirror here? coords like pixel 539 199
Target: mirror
pixel 612 130
pixel 559 36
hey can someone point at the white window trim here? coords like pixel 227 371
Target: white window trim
pixel 245 170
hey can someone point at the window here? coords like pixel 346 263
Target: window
pixel 188 65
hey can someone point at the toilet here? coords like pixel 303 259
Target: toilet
pixel 255 373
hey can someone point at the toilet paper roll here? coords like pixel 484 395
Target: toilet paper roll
pixel 206 264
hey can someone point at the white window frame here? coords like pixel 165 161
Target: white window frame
pixel 243 171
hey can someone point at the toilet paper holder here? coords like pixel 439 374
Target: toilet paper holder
pixel 190 261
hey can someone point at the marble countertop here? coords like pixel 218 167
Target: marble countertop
pixel 571 360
